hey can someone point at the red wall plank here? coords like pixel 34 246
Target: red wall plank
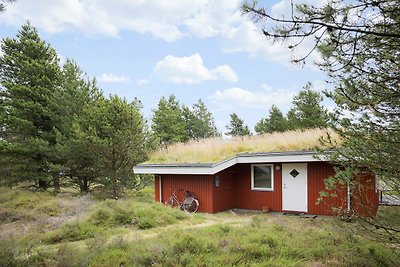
pixel 365 197
pixel 224 198
pixel 234 191
pixel 200 185
pixel 157 188
pixel 252 199
pixel 317 173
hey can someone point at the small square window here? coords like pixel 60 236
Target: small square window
pixel 216 181
pixel 262 177
pixel 294 173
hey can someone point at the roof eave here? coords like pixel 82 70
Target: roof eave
pixel 211 169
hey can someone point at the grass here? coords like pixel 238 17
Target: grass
pixel 216 149
pixel 15 206
pixel 136 232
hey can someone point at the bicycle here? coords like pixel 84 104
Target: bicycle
pixel 190 204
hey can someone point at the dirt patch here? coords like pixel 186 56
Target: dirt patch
pixel 15 224
pixel 73 209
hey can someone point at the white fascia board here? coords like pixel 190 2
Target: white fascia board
pixel 280 158
pixel 165 169
pixel 173 170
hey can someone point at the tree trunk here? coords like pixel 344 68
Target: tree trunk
pixel 114 182
pixel 42 184
pixel 56 183
pixel 83 184
pixel 115 189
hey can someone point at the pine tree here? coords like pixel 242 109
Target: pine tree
pixel 169 124
pixel 29 76
pixel 199 121
pixel 236 126
pixel 3 6
pixel 307 111
pixel 276 122
pixel 359 42
pixel 78 94
pixel 116 133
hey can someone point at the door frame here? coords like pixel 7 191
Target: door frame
pixel 286 168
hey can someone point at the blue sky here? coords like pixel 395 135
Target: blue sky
pixel 190 48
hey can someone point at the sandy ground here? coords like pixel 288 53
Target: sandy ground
pixel 73 209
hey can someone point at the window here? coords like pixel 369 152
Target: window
pixel 216 181
pixel 262 177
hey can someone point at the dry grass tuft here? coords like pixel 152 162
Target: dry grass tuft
pixel 217 149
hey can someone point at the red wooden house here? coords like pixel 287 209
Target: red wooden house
pixel 276 181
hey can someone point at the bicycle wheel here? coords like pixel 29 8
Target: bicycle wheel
pixel 191 205
pixel 171 202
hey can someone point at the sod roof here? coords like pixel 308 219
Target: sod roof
pixel 215 150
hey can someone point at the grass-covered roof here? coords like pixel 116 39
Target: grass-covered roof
pixel 214 150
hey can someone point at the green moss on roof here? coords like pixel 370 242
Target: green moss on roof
pixel 215 150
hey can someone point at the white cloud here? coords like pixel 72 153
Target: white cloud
pixel 142 82
pixel 247 37
pixel 225 73
pixel 236 96
pixel 214 18
pixel 112 78
pixel 266 87
pixel 162 19
pixel 191 70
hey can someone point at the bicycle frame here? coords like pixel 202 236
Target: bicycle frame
pixel 189 204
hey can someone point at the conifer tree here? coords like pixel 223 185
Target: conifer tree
pixel 199 121
pixel 30 76
pixel 276 122
pixel 359 42
pixel 169 124
pixel 115 130
pixel 307 111
pixel 236 126
pixel 78 93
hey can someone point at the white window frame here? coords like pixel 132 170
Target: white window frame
pixel 272 178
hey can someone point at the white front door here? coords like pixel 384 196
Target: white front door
pixel 294 187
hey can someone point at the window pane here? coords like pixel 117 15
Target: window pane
pixel 262 176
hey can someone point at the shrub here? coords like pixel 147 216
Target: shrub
pixel 7 252
pixel 187 243
pixel 112 213
pixel 73 232
pixel 110 256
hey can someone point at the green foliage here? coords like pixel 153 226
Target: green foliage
pixel 174 123
pixel 358 42
pixel 110 234
pixel 307 111
pixel 78 93
pixel 236 126
pixel 114 132
pixel 222 245
pixel 276 122
pixel 57 127
pixel 17 205
pixel 110 214
pixel 73 232
pixel 30 77
pixel 111 256
pixel 7 252
pixel 199 122
pixel 142 215
pixel 168 121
